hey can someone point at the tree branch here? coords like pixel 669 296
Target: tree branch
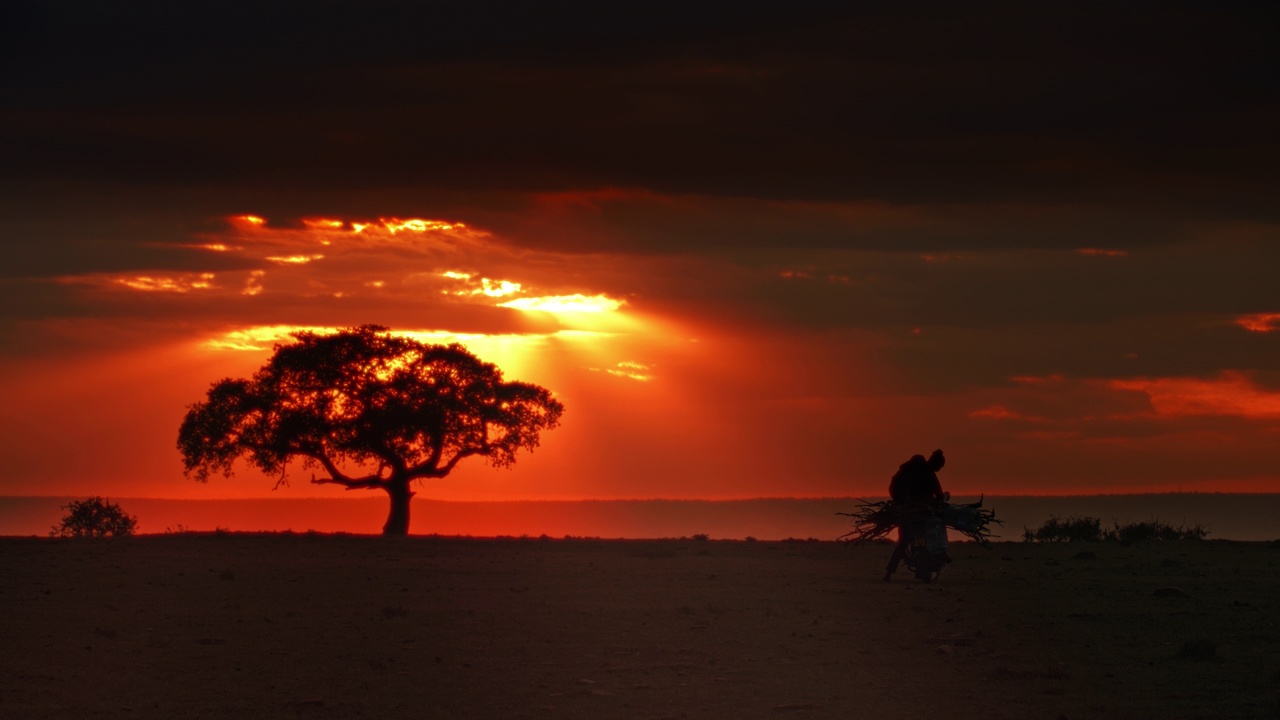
pixel 437 451
pixel 284 476
pixel 370 481
pixel 429 469
pixel 337 477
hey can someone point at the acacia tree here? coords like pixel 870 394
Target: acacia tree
pixel 94 517
pixel 365 409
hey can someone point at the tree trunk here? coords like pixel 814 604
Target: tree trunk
pixel 398 518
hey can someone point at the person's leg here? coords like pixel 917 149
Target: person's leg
pixel 899 552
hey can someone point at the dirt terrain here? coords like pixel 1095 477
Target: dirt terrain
pixel 332 626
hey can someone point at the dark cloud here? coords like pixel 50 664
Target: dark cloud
pixel 1165 106
pixel 998 125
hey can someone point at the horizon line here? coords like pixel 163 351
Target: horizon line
pixel 657 499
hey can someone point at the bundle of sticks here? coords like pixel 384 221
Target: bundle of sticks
pixel 874 520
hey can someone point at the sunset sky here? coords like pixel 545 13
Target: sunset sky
pixel 755 253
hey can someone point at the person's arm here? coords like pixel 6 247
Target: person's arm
pixel 935 492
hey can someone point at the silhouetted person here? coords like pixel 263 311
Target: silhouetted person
pixel 915 486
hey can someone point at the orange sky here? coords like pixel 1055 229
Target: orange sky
pixel 665 399
pixel 756 254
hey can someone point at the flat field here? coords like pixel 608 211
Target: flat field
pixel 333 626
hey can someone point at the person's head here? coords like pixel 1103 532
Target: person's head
pixel 936 461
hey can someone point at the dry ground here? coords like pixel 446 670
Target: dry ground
pixel 317 626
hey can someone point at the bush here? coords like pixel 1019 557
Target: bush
pixel 1089 529
pixel 1155 530
pixel 94 517
pixel 1071 529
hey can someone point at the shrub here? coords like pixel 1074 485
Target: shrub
pixel 1071 529
pixel 94 517
pixel 1155 530
pixel 1089 529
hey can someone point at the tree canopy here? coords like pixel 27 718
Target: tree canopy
pixel 364 408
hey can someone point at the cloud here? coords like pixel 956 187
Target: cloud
pixel 640 220
pixel 184 283
pixel 1259 322
pixel 686 101
pixel 1230 393
pixel 996 412
pixel 293 259
pixel 1126 407
pixel 630 370
pixel 481 286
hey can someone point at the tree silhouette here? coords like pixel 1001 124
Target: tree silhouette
pixel 366 409
pixel 94 517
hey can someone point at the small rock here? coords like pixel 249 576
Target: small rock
pixel 1170 592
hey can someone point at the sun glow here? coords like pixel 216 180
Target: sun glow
pixel 558 304
pixel 294 259
pixel 263 337
pixel 395 225
pixel 571 335
pixel 329 231
pixel 486 286
pixel 521 355
pixel 497 288
pixel 351 248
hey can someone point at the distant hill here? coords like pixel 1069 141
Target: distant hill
pixel 1228 516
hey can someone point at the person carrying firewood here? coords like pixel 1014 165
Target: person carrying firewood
pixel 915 486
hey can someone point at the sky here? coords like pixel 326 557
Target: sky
pixel 757 252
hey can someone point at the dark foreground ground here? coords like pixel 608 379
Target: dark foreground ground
pixel 314 626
